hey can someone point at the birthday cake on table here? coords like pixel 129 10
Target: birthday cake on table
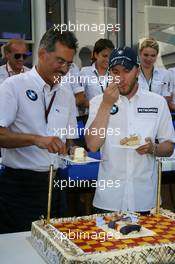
pixel 107 238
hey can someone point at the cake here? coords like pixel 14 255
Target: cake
pixel 79 155
pixel 124 224
pixel 132 140
pixel 60 241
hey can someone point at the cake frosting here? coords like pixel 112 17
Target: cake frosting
pixel 55 246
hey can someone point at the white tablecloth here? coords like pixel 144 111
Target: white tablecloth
pixel 16 249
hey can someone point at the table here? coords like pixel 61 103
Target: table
pixel 16 249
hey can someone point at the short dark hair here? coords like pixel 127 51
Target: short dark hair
pixel 52 36
pixel 100 45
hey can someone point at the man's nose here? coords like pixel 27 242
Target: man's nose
pixel 121 78
pixel 65 68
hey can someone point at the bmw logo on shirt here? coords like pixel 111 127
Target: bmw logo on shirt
pixel 114 109
pixel 32 95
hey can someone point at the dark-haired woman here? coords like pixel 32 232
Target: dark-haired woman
pixel 94 78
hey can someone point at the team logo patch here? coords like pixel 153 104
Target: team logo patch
pixel 32 95
pixel 147 110
pixel 120 52
pixel 114 109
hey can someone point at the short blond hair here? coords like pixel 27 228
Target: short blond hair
pixel 7 47
pixel 150 43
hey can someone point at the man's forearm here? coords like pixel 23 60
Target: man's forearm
pixel 9 139
pixel 171 106
pixel 95 140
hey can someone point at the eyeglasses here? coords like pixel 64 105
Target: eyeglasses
pixel 18 56
pixel 62 62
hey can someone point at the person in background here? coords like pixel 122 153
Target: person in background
pixel 152 78
pixel 171 103
pixel 15 52
pixel 3 55
pixel 71 81
pixel 129 175
pixel 37 117
pixel 94 78
pixel 85 55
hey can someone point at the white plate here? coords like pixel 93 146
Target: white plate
pixel 71 161
pixel 130 147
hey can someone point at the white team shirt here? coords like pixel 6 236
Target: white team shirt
pixel 93 83
pixel 22 109
pixel 71 79
pixel 172 82
pixel 6 71
pixel 160 82
pixel 147 115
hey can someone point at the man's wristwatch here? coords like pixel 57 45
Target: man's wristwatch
pixel 154 151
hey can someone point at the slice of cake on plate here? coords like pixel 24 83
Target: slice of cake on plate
pixel 79 155
pixel 132 140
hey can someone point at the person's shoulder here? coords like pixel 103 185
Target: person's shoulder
pixel 26 68
pixel 151 96
pixel 171 70
pixel 14 80
pixel 96 99
pixel 146 93
pixel 86 69
pixel 161 70
pixel 8 85
pixel 3 70
pixel 3 67
pixel 21 77
pixel 74 68
pixel 3 73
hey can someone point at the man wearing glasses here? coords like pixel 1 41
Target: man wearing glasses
pixel 15 53
pixel 37 120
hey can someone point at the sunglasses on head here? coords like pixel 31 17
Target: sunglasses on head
pixel 18 56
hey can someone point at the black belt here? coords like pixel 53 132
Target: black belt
pixel 9 169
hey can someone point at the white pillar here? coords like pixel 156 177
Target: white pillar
pixel 128 23
pixel 39 25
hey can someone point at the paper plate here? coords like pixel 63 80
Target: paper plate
pixel 74 162
pixel 130 147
